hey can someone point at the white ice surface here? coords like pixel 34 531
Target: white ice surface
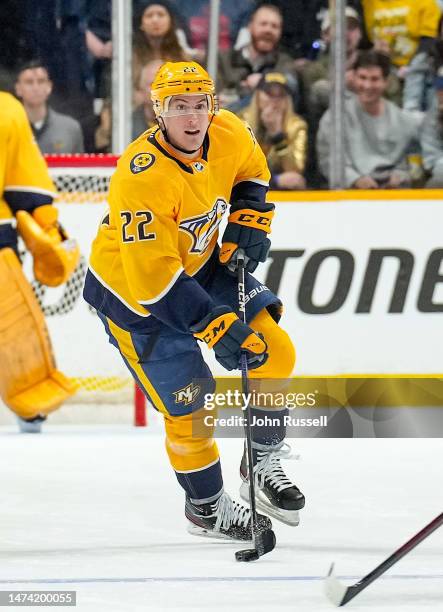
pixel 97 510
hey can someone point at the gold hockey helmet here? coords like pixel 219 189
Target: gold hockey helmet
pixel 181 78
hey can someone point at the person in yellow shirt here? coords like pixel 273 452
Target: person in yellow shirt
pixel 161 284
pixel 401 27
pixel 405 30
pixel 30 384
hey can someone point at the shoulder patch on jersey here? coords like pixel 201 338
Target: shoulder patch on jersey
pixel 141 162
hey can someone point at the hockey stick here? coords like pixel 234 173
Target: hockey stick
pixel 264 541
pixel 340 594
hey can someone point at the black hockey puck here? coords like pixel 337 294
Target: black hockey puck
pixel 247 555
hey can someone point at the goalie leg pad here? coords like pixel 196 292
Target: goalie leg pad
pixel 30 384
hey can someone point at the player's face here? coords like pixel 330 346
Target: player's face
pixel 155 21
pixel 33 86
pixel 370 84
pixel 187 121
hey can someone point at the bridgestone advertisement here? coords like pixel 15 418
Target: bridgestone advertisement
pixel 361 282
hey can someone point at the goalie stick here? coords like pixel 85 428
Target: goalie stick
pixel 339 594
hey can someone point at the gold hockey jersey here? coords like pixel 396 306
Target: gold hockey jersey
pixel 162 224
pixel 24 179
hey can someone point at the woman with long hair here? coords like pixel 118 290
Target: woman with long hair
pixel 155 36
pixel 281 133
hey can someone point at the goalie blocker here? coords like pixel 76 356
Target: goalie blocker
pixel 30 384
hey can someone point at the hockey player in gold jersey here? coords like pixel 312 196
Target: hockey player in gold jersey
pixel 30 384
pixel 161 284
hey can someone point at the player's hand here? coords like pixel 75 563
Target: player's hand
pixel 249 223
pixel 223 331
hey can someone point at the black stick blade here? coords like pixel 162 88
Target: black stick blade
pixel 264 542
pixel 247 555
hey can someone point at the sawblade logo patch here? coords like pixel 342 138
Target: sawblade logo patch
pixel 141 162
pixel 203 227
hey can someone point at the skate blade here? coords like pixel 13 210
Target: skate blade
pixel 208 533
pixel 29 428
pixel 289 517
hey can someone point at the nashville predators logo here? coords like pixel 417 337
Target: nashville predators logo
pixel 141 162
pixel 203 227
pixel 187 395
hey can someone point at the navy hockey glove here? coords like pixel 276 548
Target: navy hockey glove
pixel 249 223
pixel 223 331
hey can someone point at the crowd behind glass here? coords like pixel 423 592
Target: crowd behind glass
pixel 273 71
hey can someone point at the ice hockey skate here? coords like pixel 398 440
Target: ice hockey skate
pixel 33 425
pixel 275 494
pixel 223 519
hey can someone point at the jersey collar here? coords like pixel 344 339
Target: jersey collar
pixel 184 163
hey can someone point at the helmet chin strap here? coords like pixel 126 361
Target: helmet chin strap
pixel 162 126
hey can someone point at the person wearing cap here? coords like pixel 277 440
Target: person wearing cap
pixel 163 287
pixel 240 70
pixel 317 87
pixel 281 133
pixel 315 75
pixel 379 136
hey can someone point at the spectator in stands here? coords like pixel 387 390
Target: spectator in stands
pixel 316 82
pixel 14 43
pixel 143 116
pixel 99 44
pixel 234 15
pixel 155 37
pixel 432 136
pixel 103 131
pixel 405 30
pixel 40 28
pixel 281 133
pixel 379 135
pixel 315 75
pixel 240 70
pixel 54 132
pixel 302 21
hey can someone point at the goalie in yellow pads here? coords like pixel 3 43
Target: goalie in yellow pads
pixel 30 384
